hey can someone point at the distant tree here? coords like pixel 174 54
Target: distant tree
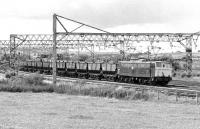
pixel 83 57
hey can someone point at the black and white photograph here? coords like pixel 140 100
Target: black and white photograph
pixel 100 64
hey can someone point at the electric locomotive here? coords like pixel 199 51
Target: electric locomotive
pixel 153 73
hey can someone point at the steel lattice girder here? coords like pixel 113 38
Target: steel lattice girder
pixel 100 39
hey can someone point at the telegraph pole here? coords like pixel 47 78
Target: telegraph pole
pixel 54 49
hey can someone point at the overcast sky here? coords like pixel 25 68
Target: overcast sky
pixel 35 16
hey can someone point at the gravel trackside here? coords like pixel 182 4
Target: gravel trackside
pixel 60 111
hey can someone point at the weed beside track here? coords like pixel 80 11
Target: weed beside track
pixel 35 83
pixel 40 83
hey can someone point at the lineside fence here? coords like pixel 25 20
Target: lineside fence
pixel 169 94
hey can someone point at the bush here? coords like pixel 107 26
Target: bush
pixel 139 96
pixel 35 79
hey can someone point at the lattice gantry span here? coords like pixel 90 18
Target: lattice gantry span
pixel 35 41
pixel 101 39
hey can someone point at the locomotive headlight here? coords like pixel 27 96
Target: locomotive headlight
pixel 132 67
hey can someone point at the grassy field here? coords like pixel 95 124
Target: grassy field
pixel 60 111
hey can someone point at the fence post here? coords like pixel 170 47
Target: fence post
pixel 197 98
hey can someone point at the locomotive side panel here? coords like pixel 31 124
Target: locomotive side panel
pixel 137 69
pixel 143 70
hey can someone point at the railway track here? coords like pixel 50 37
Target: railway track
pixel 170 87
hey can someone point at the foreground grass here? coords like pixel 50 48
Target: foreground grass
pixel 35 83
pixel 60 111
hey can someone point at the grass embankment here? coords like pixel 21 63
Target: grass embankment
pixel 35 83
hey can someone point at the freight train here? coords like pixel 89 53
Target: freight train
pixel 143 72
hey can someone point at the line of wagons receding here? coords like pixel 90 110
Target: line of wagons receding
pixel 150 73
